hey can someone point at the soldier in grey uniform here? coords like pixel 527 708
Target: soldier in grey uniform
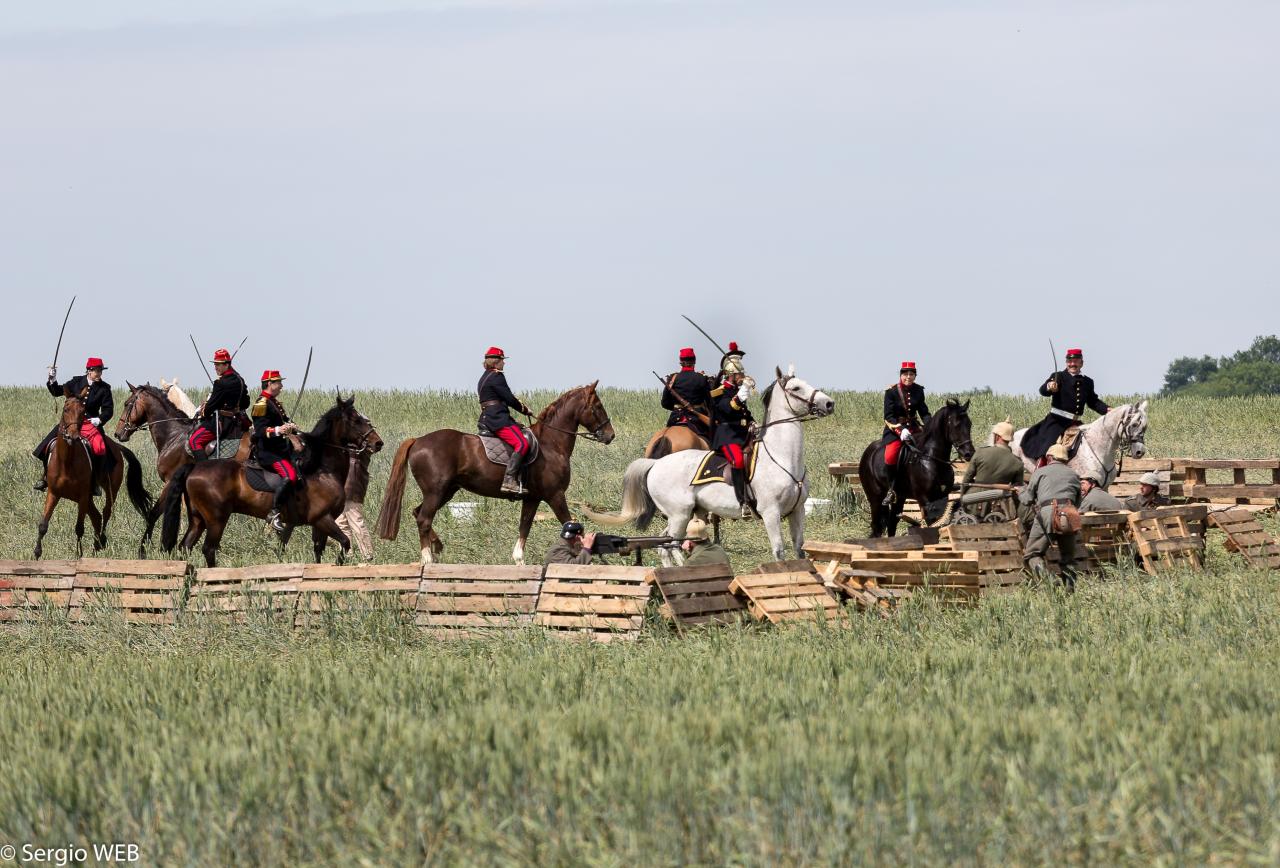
pixel 995 464
pixel 1095 498
pixel 572 547
pixel 698 546
pixel 1148 495
pixel 1053 483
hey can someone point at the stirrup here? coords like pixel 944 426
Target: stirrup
pixel 273 519
pixel 42 485
pixel 889 498
pixel 511 485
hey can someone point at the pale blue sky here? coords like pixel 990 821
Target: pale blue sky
pixel 841 185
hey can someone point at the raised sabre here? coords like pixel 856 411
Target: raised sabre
pixel 61 331
pixel 705 335
pixel 201 358
pixel 305 374
pixel 238 346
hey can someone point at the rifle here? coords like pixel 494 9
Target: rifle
pixel 704 418
pixel 608 544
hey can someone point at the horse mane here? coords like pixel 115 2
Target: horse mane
pixel 936 420
pixel 551 409
pixel 157 393
pixel 766 396
pixel 319 436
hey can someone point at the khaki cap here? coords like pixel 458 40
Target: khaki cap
pixel 696 529
pixel 1003 430
pixel 1057 451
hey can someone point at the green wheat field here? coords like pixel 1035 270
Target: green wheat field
pixel 1136 721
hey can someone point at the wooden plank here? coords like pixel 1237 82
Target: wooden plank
pixel 586 606
pixel 725 604
pixel 128 583
pixel 596 572
pixel 975 532
pixel 594 589
pixel 489 621
pixel 481 572
pixel 587 621
pixel 1227 463
pixel 361 571
pixel 37 568
pixel 238 575
pixel 132 567
pixel 486 589
pixel 1211 490
pixel 38 583
pixel 356 586
pixel 802 566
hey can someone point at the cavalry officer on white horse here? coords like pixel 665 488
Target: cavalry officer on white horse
pixel 905 415
pixel 99 407
pixel 734 427
pixel 496 402
pixel 1071 392
pixel 695 388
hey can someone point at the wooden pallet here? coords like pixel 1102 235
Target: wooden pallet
pixel 236 593
pixel 598 602
pixel 460 600
pixel 1240 490
pixel 1246 537
pixel 779 597
pixel 1127 482
pixel 862 587
pixel 30 588
pixel 999 546
pixel 956 576
pixel 144 592
pixel 325 590
pixel 1165 536
pixel 697 596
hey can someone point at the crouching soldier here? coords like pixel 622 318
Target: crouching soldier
pixel 1148 496
pixel 1094 498
pixel 573 547
pixel 1053 487
pixel 698 547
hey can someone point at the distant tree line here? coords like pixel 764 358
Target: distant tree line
pixel 1255 371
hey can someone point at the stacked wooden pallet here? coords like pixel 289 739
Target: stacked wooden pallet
pixel 1241 490
pixel 1246 537
pixel 954 575
pixel 32 588
pixel 1127 482
pixel 1166 537
pixel 697 596
pixel 142 592
pixel 239 594
pixel 785 592
pixel 459 600
pixel 325 590
pixel 999 546
pixel 862 587
pixel 600 603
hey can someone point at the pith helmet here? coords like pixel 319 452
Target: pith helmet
pixel 1150 478
pixel 1003 430
pixel 697 529
pixel 1057 451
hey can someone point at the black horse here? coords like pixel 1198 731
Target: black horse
pixel 925 471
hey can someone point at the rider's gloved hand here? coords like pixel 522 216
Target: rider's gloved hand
pixel 53 373
pixel 96 422
pixel 905 436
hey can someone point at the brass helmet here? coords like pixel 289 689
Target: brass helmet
pixel 733 366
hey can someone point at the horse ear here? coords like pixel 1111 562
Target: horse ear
pixel 593 385
pixel 132 387
pixel 1143 405
pixel 966 405
pixel 778 371
pixel 791 369
pixel 66 391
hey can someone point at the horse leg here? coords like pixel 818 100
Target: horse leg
pixel 528 509
pixel 428 539
pixel 212 538
pixel 324 529
pixel 50 504
pixel 677 526
pixel 773 527
pixel 795 522
pixel 194 529
pixel 80 529
pixel 99 524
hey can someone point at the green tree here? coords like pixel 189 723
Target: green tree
pixel 1254 371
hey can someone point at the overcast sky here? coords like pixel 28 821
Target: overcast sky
pixel 842 185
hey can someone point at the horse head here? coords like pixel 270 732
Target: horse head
pixel 348 427
pixel 958 427
pixel 1133 429
pixel 133 416
pixel 72 413
pixel 584 410
pixel 798 398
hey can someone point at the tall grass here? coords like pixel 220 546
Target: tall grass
pixel 1136 721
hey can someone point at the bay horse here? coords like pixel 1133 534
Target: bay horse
pixel 445 461
pixel 69 476
pixel 780 483
pixel 216 489
pixel 1122 426
pixel 152 410
pixel 926 473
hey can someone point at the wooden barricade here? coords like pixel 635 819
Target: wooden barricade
pixel 1126 483
pixel 269 591
pixel 785 591
pixel 1199 487
pixel 598 602
pixel 460 600
pixel 144 592
pixel 1104 540
pixel 697 596
pixel 1165 536
pixel 862 587
pixel 846 473
pixel 30 588
pixel 1246 537
pixel 954 575
pixel 326 589
pixel 999 546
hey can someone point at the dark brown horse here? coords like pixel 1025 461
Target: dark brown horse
pixel 149 409
pixel 69 475
pixel 216 489
pixel 926 473
pixel 445 461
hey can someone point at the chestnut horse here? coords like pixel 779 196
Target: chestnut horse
pixel 152 410
pixel 445 461
pixel 69 475
pixel 217 488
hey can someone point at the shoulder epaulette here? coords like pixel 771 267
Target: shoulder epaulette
pixel 260 407
pixel 717 391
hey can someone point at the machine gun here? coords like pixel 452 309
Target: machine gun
pixel 608 544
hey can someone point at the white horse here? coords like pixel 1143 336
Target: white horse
pixel 780 483
pixel 1123 425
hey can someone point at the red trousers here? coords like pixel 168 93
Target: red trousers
pixel 732 453
pixel 285 468
pixel 513 436
pixel 891 451
pixel 97 444
pixel 200 438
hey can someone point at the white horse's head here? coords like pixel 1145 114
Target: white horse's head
pixel 791 396
pixel 1133 429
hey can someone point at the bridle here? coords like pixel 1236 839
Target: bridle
pixel 127 424
pixel 1123 444
pixel 809 414
pixel 594 435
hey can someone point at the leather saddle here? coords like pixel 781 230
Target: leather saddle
pixel 500 453
pixel 714 467
pixel 1071 439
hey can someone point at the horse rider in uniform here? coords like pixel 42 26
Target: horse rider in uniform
pixel 99 407
pixel 695 388
pixel 734 427
pixel 905 414
pixel 1148 496
pixel 220 411
pixel 272 447
pixel 496 401
pixel 572 547
pixel 1071 392
pixel 1052 484
pixel 1095 498
pixel 733 353
pixel 698 547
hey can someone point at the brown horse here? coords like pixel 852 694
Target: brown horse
pixel 218 488
pixel 149 409
pixel 69 475
pixel 676 438
pixel 445 461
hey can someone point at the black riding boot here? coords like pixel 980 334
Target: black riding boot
pixel 41 454
pixel 511 478
pixel 98 467
pixel 279 493
pixel 739 478
pixel 892 493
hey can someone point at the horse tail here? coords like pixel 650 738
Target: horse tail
pixel 393 498
pixel 661 448
pixel 637 503
pixel 173 507
pixel 138 495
